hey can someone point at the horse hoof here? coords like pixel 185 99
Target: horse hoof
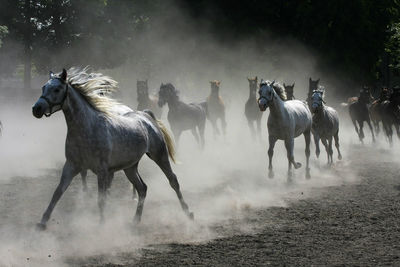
pixel 191 216
pixel 40 226
pixel 297 165
pixel 271 174
pixel 308 175
pixel 340 157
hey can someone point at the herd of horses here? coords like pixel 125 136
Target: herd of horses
pixel 105 136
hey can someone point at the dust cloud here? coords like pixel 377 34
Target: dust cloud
pixel 220 184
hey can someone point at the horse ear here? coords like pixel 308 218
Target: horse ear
pixel 309 79
pixel 256 78
pixel 248 78
pixel 293 84
pixel 284 85
pixel 51 75
pixel 63 75
pixel 318 80
pixel 218 83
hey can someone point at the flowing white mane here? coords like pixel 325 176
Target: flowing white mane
pixel 96 88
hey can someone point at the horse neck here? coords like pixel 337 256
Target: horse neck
pixel 277 108
pixel 173 102
pixel 252 92
pixel 214 93
pixel 77 111
pixel 143 98
pixel 319 113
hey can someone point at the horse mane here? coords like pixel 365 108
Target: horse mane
pixel 171 87
pixel 278 88
pixel 95 88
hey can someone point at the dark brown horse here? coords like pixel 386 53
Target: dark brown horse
pixel 216 108
pixel 359 113
pixel 289 91
pixel 145 101
pixel 251 109
pixel 375 109
pixel 390 110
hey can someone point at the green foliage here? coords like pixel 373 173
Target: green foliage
pixel 3 33
pixel 392 47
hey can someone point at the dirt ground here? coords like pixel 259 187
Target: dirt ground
pixel 353 224
pixel 348 218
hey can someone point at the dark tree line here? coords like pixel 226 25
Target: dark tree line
pixel 360 37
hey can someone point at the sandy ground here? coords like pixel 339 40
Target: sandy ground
pixel 353 220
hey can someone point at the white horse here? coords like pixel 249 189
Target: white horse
pixel 101 140
pixel 287 120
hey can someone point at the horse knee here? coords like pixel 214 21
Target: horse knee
pixel 270 152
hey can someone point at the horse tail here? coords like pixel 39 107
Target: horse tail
pixel 168 140
pixel 167 136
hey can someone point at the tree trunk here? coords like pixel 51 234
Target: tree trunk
pixel 27 46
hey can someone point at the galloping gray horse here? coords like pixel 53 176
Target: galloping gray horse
pixel 325 125
pixel 287 120
pixel 182 116
pixel 251 110
pixel 102 141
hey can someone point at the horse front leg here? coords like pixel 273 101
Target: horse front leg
pixel 272 140
pixel 70 170
pixel 361 131
pixel 103 181
pixel 325 143
pixel 289 144
pixel 259 128
pixel 336 136
pixel 371 129
pixel 223 123
pixel 316 142
pixel 251 127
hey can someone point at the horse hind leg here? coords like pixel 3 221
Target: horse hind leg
pixel 201 128
pixel 336 136
pixel 307 138
pixel 163 162
pixel 137 182
pixel 272 141
pixel 330 149
pixel 316 142
pixel 84 182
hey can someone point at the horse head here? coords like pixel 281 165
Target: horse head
pixel 317 99
pixel 266 93
pixel 167 92
pixel 312 85
pixel 54 93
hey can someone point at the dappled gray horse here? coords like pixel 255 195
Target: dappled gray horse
pixel 289 91
pixel 145 100
pixel 102 141
pixel 251 110
pixel 287 120
pixel 182 116
pixel 325 125
pixel 216 108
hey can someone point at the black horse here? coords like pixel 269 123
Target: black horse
pixel 289 91
pixel 182 116
pixel 359 112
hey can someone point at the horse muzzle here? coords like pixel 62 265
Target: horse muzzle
pixel 161 103
pixel 262 104
pixel 40 108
